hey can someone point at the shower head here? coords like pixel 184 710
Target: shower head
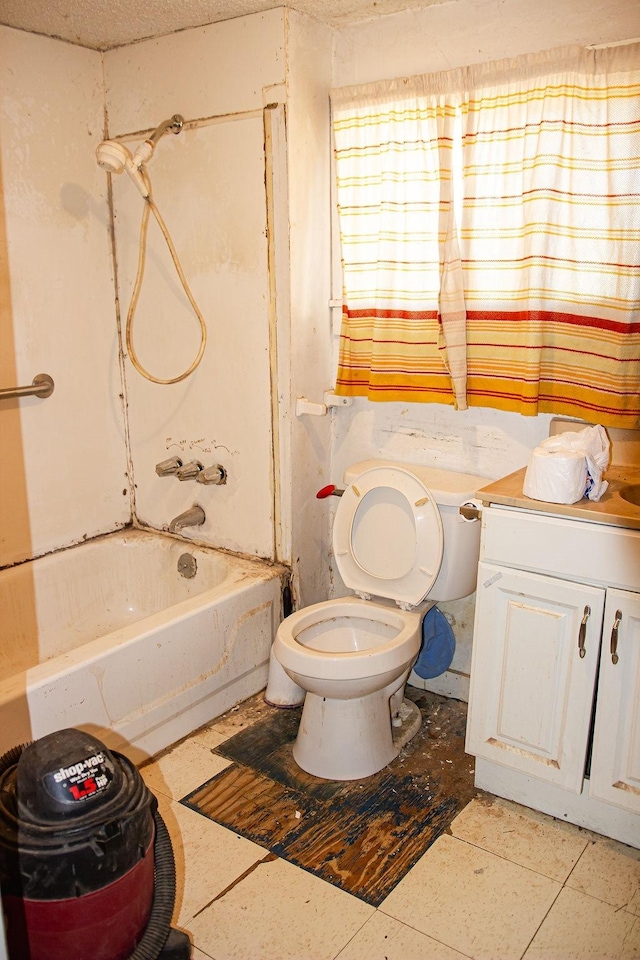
pixel 114 158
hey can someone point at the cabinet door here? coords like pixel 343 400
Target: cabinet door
pixel 531 691
pixel 615 765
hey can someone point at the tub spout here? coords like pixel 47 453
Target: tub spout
pixel 192 517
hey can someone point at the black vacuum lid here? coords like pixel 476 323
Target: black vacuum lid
pixel 70 809
pixel 65 775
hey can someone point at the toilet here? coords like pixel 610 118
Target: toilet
pixel 400 544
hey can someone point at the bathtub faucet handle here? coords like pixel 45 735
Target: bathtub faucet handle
pixel 168 468
pixel 215 474
pixel 193 517
pixel 189 471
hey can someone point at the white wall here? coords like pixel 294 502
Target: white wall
pixel 208 183
pixel 462 32
pixel 308 83
pixel 201 72
pixel 490 443
pixel 61 295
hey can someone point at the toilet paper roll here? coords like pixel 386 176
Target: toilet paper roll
pixel 556 476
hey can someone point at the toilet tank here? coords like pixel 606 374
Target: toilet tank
pixel 450 489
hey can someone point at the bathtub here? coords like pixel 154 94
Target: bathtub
pixel 111 637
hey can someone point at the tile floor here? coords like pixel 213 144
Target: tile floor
pixel 505 883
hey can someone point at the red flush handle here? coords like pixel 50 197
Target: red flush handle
pixel 329 491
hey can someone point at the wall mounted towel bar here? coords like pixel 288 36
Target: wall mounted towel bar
pixel 42 386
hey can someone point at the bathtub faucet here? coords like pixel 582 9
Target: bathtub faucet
pixel 192 517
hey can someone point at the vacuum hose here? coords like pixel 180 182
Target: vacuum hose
pixel 164 894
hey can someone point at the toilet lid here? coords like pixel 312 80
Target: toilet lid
pixel 387 536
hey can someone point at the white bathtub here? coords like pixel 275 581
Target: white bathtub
pixel 108 636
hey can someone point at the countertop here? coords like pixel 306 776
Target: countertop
pixel 611 508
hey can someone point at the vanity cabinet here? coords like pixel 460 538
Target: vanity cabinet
pixel 615 765
pixel 554 709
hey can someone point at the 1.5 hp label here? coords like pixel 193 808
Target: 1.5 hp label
pixel 80 780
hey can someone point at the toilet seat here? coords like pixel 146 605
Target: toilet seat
pixel 387 536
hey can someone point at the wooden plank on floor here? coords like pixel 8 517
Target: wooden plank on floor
pixel 360 835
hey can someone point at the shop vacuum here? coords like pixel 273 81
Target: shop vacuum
pixel 86 863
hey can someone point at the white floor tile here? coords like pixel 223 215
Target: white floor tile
pixel 477 903
pixel 383 938
pixel 208 858
pixel 179 771
pixel 210 737
pixel 279 912
pixel 581 928
pixel 533 841
pixel 199 955
pixel 609 871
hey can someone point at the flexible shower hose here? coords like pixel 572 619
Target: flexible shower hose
pixel 164 889
pixel 150 206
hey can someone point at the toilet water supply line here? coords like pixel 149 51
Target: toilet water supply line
pixel 114 157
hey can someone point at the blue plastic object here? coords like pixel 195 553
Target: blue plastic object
pixel 438 645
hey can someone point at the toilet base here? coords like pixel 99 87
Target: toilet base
pixel 409 722
pixel 350 739
pixel 281 690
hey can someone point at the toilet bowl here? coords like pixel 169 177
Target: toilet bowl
pixel 400 540
pixel 350 656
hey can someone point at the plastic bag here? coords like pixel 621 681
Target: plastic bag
pixel 594 444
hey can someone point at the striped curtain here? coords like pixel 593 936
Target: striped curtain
pixel 403 330
pixel 527 289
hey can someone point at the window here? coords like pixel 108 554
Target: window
pixel 490 230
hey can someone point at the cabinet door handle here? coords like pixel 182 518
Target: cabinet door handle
pixel 614 637
pixel 582 633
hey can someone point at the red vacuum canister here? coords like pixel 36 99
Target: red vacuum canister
pixel 86 864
